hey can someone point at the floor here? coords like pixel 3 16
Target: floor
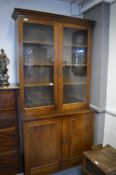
pixel 72 171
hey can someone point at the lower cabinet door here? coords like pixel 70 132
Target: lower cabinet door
pixel 77 136
pixel 43 146
pixel 9 163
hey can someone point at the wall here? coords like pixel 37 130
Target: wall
pixel 100 14
pixel 7 25
pixel 110 118
pixel 110 130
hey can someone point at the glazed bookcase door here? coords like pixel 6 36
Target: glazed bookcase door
pixel 38 54
pixel 75 66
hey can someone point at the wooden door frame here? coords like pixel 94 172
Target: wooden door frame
pixel 43 109
pixel 80 105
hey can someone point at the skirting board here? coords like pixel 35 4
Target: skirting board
pixel 107 110
pixel 97 109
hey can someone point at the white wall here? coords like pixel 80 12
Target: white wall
pixel 7 25
pixel 110 130
pixel 111 89
pixel 100 39
pixel 110 118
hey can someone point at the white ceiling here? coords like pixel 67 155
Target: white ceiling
pixel 76 1
pixel 86 4
pixel 84 1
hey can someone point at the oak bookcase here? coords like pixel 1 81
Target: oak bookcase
pixel 53 72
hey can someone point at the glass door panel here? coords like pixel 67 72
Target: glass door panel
pixel 38 50
pixel 74 65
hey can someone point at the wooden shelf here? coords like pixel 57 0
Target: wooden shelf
pixel 38 64
pixel 65 65
pixel 9 87
pixel 74 83
pixel 74 65
pixel 38 42
pixel 51 84
pixel 75 45
pixel 38 84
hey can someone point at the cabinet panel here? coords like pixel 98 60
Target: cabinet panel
pixel 7 120
pixel 7 100
pixel 43 145
pixel 78 135
pixel 9 150
pixel 8 139
pixel 9 163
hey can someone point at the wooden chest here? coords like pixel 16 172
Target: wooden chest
pixel 9 149
pixel 101 161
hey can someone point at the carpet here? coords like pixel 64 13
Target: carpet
pixel 71 171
